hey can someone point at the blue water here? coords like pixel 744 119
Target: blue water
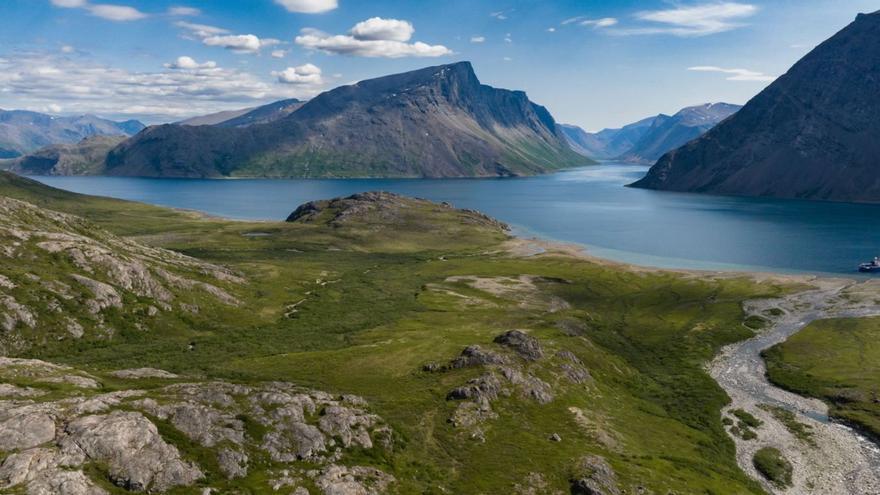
pixel 588 206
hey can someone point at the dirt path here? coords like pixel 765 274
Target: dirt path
pixel 841 461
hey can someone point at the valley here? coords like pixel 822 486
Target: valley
pixel 605 360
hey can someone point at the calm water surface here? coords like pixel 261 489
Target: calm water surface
pixel 588 206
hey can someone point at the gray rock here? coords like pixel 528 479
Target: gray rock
pixel 530 385
pixel 348 424
pixel 138 373
pixel 486 386
pixel 137 457
pixel 525 345
pixel 294 441
pixel 474 355
pixel 356 480
pixel 233 463
pixel 595 477
pixel 26 427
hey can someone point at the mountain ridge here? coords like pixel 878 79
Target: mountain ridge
pixel 809 135
pixel 24 131
pixel 434 122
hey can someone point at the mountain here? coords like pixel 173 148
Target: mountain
pixel 215 118
pixel 811 134
pixel 668 133
pixel 23 131
pixel 83 158
pixel 248 116
pixel 265 114
pixel 609 144
pixel 650 138
pixel 434 122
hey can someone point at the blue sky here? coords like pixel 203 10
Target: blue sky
pixel 592 63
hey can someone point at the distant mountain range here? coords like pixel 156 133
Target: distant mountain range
pixel 811 134
pixel 22 131
pixel 648 139
pixel 434 122
pixel 83 158
pixel 248 116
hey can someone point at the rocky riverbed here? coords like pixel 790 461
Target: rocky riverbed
pixel 834 459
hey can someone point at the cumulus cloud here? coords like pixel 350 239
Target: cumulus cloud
pixel 278 53
pixel 735 74
pixel 67 49
pixel 377 29
pixel 189 63
pixel 184 11
pixel 478 39
pixel 103 10
pixel 37 80
pixel 308 6
pixel 695 20
pixel 376 37
pixel 216 36
pixel 303 75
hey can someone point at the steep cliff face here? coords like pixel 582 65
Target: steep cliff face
pixel 811 134
pixel 434 122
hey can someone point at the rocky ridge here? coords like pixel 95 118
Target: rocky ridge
pixel 67 277
pixel 87 439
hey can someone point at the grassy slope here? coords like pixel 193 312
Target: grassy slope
pixel 837 361
pixel 370 321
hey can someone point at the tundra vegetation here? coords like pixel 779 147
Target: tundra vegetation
pixel 373 344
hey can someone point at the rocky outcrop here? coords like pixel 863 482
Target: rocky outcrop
pixel 811 134
pixel 53 444
pixel 94 274
pixel 433 122
pixel 594 477
pixel 525 345
pixel 384 208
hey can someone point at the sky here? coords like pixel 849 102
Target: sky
pixel 592 63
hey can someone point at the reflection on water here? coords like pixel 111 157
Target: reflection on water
pixel 589 206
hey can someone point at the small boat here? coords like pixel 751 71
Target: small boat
pixel 871 266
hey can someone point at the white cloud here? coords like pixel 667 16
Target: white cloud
pixel 37 80
pixel 599 23
pixel 200 30
pixel 67 49
pixel 507 59
pixel 308 75
pixel 507 38
pixel 53 108
pixel 551 30
pixel 103 10
pixel 735 74
pixel 376 37
pixel 189 63
pixel 478 39
pixel 216 36
pixel 695 20
pixel 184 11
pixel 308 6
pixel 115 12
pixel 278 53
pixel 69 4
pixel 501 15
pixel 377 29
